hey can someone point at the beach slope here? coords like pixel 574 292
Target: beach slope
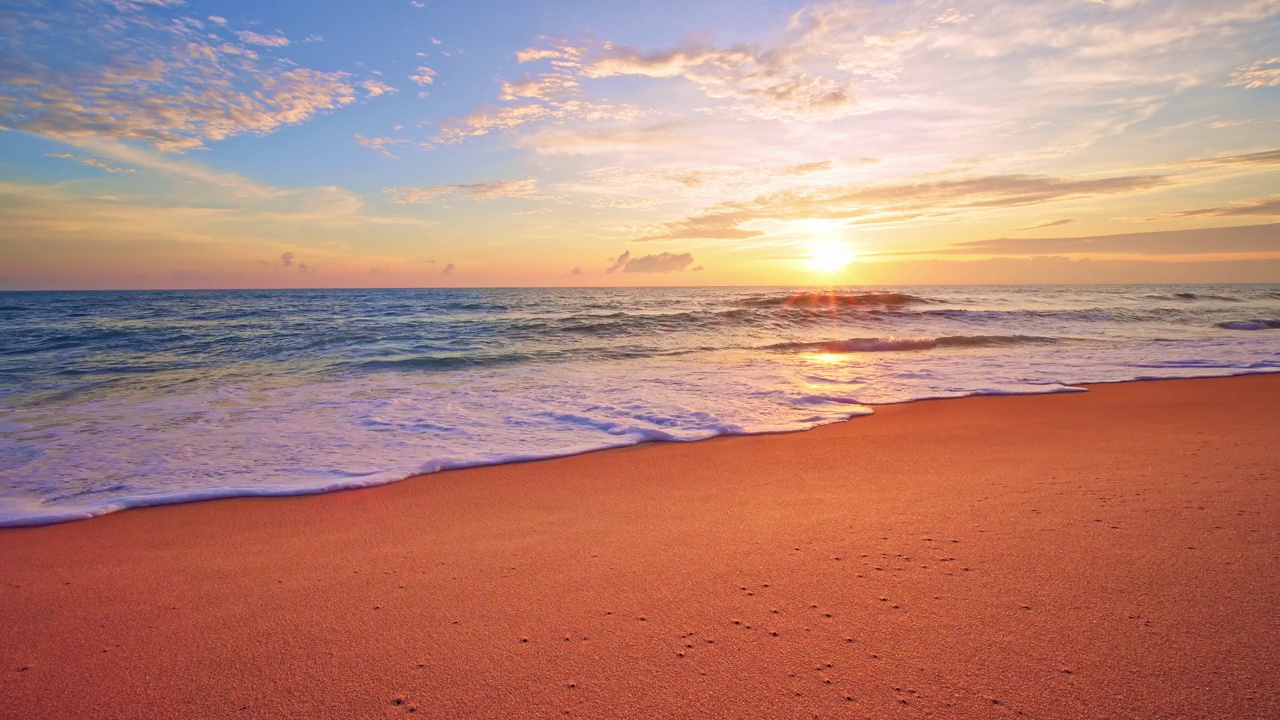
pixel 1109 554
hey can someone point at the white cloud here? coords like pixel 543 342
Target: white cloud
pixel 254 38
pixel 374 88
pixel 424 76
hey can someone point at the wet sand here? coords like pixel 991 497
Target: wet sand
pixel 1110 554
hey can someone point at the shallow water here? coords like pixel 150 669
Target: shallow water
pixel 121 399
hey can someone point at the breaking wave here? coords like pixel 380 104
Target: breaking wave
pixel 871 344
pixel 836 299
pixel 1250 325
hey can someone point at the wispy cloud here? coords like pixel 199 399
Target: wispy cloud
pixel 91 162
pixel 1265 157
pixel 1048 224
pixel 380 145
pixel 1246 208
pixel 1264 73
pixel 474 191
pixel 1203 241
pixel 893 201
pixel 254 38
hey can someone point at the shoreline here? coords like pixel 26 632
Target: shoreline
pixel 1112 553
pixel 230 493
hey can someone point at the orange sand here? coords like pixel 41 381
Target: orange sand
pixel 1110 554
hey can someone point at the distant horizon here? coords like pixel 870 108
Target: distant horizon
pixel 626 287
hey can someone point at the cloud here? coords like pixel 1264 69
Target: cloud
pixel 286 259
pixel 610 141
pixel 629 184
pixel 661 263
pixel 1264 73
pixel 486 120
pixel 1063 270
pixel 904 199
pixel 374 88
pixel 1223 124
pixel 1202 241
pixel 576 271
pixel 379 144
pixel 711 226
pixel 1048 224
pixel 544 87
pixel 766 82
pixel 1265 157
pixel 495 190
pixel 1265 206
pixel 448 269
pixel 536 54
pixel 91 162
pixel 169 165
pixel 619 263
pixel 424 76
pixel 254 38
pixel 171 85
pixel 922 79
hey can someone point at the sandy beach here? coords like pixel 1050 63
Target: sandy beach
pixel 1109 554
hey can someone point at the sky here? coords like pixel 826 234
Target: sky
pixel 425 143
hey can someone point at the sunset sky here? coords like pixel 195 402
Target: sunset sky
pixel 406 143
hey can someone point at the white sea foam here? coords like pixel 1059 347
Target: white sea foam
pixel 139 432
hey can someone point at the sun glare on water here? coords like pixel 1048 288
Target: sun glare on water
pixel 829 256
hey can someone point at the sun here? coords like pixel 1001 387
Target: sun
pixel 829 255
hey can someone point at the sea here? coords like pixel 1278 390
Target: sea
pixel 114 400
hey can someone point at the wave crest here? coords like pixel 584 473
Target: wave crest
pixel 834 299
pixel 1189 296
pixel 1250 325
pixel 854 345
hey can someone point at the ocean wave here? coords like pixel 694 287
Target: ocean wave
pixel 1001 316
pixel 1250 325
pixel 440 362
pixel 854 345
pixel 834 299
pixel 1189 296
